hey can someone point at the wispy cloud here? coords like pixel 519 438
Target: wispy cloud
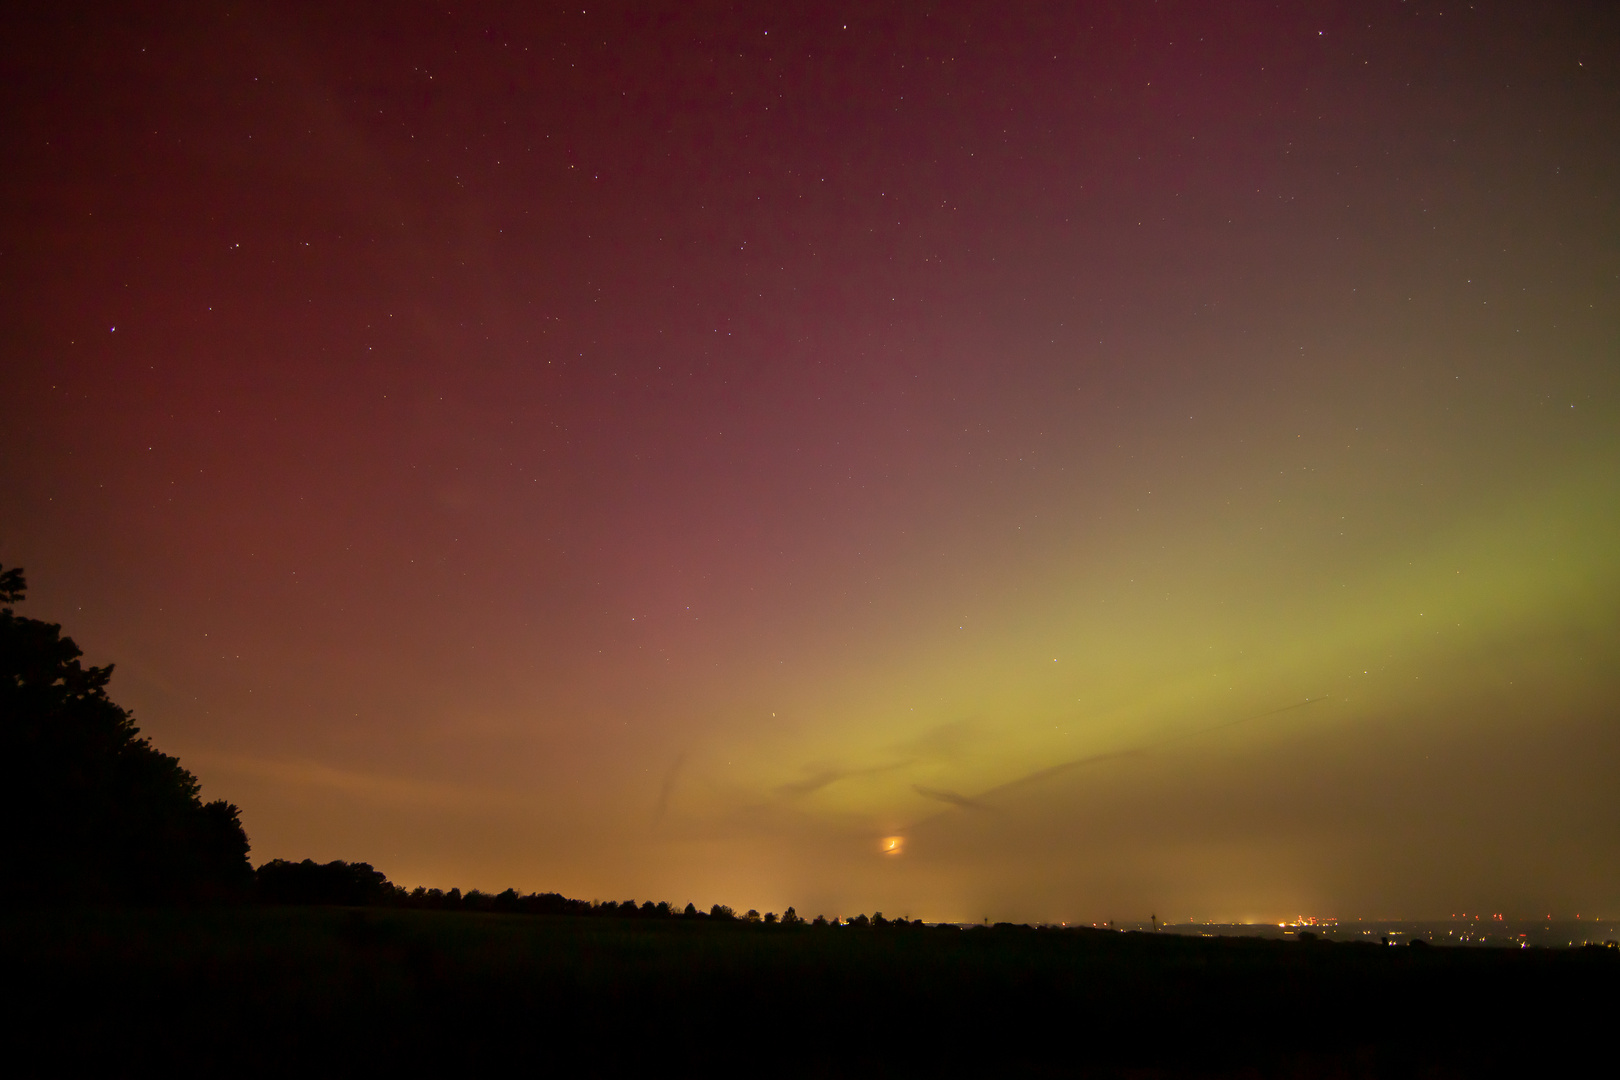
pixel 666 790
pixel 376 788
pixel 951 797
pixel 825 777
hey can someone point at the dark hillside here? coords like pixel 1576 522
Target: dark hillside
pixel 273 990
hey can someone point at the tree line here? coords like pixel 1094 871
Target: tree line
pixel 359 884
pixel 94 813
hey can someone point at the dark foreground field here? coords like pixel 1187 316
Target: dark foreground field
pixel 283 991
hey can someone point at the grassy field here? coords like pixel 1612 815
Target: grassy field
pixel 258 991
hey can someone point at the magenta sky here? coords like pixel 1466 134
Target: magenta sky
pixel 665 451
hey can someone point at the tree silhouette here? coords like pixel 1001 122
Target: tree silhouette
pixel 337 882
pixel 92 811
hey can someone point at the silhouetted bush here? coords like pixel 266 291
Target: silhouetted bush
pixel 337 882
pixel 92 811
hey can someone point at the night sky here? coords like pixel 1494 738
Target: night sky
pixel 1060 462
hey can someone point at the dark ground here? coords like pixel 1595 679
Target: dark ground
pixel 354 991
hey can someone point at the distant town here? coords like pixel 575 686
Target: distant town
pixel 1487 930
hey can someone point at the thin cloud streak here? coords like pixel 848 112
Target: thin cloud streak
pixel 980 802
pixel 951 797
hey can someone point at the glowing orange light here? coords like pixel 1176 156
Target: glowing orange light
pixel 892 845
